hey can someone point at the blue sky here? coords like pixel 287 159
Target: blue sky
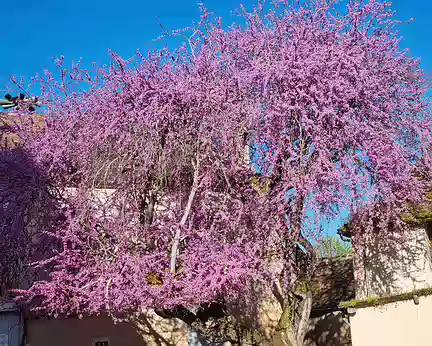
pixel 35 31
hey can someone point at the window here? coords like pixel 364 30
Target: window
pixel 4 339
pixel 101 342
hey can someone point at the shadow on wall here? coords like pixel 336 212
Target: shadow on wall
pixel 395 263
pixel 24 206
pixel 331 329
pixel 258 310
pixel 158 331
pixel 87 331
pixel 332 283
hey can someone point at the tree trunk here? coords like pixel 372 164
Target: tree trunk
pixel 284 335
pixel 290 330
pixel 304 317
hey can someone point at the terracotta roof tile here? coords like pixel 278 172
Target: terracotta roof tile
pixel 332 283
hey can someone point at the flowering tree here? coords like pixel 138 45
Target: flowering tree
pixel 24 202
pixel 14 199
pixel 162 207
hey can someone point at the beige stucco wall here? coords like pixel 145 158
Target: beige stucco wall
pixel 396 324
pixel 393 264
pixel 153 331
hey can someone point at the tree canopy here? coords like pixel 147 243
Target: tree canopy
pixel 190 172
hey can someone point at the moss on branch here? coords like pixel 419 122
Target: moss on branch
pixel 377 301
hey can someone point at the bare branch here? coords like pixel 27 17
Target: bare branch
pixel 186 213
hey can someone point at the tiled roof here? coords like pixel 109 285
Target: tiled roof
pixel 9 139
pixel 332 283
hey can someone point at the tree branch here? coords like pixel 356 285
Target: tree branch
pixel 183 220
pixel 304 319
